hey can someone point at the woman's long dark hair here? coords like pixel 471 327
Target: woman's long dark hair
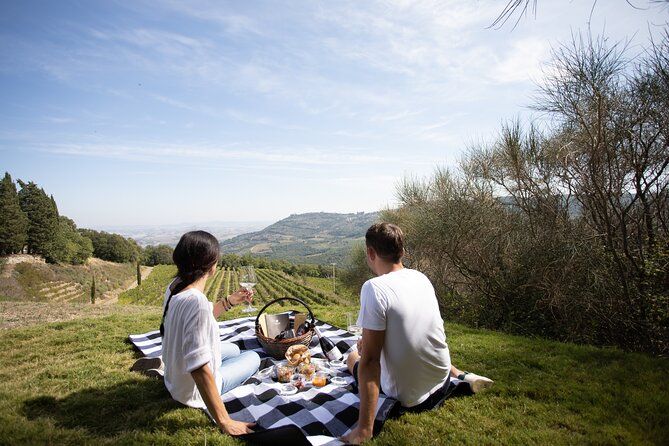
pixel 195 254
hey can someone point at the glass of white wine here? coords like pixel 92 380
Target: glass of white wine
pixel 352 325
pixel 248 279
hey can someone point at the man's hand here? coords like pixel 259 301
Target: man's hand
pixel 232 427
pixel 356 436
pixel 241 295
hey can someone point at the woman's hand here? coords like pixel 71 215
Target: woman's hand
pixel 240 296
pixel 232 427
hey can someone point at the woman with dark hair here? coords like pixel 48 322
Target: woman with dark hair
pixel 198 367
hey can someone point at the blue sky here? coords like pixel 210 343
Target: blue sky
pixel 165 112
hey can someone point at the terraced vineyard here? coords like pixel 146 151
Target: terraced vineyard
pixel 152 289
pixel 43 282
pixel 271 285
pixel 59 291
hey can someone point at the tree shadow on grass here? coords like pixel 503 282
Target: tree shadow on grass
pixel 106 412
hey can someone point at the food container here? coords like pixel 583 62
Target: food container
pixel 320 363
pixel 265 373
pixel 320 379
pixel 298 380
pixel 338 364
pixel 284 373
pixel 307 370
pixel 298 354
pixel 288 389
pixel 338 381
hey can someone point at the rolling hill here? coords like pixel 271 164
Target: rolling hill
pixel 317 237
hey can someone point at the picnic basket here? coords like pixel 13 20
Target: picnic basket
pixel 277 347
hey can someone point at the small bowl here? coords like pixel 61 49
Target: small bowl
pixel 338 381
pixel 339 364
pixel 265 373
pixel 288 389
pixel 298 380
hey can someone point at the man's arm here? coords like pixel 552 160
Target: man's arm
pixel 204 380
pixel 369 379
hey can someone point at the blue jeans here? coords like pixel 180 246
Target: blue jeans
pixel 236 367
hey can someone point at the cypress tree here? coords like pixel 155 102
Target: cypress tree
pixel 13 221
pixel 139 274
pixel 42 217
pixel 93 290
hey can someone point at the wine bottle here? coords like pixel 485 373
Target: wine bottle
pixel 286 334
pixel 303 328
pixel 329 348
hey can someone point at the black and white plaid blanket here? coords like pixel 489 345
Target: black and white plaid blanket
pixel 330 411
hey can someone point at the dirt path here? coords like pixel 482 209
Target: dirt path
pixel 111 297
pixel 22 314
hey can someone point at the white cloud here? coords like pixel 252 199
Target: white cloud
pixel 523 62
pixel 242 152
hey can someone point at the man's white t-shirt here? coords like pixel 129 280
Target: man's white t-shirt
pixel 191 340
pixel 415 360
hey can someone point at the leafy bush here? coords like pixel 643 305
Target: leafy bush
pixel 563 232
pixel 112 247
pixel 158 255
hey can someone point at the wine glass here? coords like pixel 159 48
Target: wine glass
pixel 352 325
pixel 248 279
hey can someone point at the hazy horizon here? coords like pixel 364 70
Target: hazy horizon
pixel 144 114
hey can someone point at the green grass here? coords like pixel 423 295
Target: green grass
pixel 324 284
pixel 68 383
pixel 152 289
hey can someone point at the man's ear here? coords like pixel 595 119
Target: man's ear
pixel 371 254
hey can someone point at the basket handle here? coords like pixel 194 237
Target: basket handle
pixel 300 301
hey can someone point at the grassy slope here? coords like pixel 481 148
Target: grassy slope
pixel 152 289
pixel 68 383
pixel 29 279
pixel 325 284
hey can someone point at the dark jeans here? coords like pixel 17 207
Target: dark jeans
pixel 433 401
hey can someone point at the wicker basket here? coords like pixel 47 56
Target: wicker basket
pixel 277 347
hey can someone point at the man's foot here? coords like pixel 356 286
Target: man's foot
pixel 142 365
pixel 476 382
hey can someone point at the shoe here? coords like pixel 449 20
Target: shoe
pixel 154 373
pixel 476 382
pixel 144 364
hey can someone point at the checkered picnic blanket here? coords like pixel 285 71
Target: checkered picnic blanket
pixel 329 411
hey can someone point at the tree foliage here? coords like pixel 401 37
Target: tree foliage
pixel 13 221
pixel 112 247
pixel 42 217
pixel 158 255
pixel 68 245
pixel 561 231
